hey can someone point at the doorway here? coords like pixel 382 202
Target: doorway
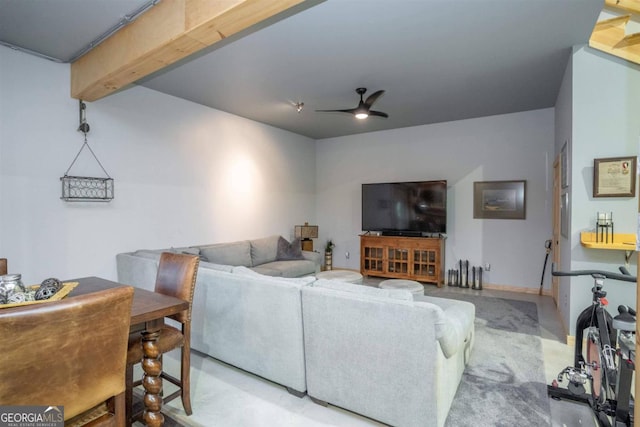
pixel 555 245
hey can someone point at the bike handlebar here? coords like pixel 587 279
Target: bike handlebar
pixel 594 274
pixel 624 270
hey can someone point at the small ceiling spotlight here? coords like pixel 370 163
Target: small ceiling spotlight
pixel 299 106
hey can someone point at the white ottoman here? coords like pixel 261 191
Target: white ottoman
pixel 344 275
pixel 407 285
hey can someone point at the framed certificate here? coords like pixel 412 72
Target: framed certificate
pixel 614 177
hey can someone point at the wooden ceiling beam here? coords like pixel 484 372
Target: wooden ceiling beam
pixel 170 31
pixel 632 6
pixel 609 36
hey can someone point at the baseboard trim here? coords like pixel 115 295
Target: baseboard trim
pixel 536 291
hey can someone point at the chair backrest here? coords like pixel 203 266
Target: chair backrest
pixel 3 266
pixel 177 278
pixel 70 352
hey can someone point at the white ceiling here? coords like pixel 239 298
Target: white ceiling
pixel 438 60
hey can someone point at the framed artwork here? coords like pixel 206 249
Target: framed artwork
pixel 564 165
pixel 614 177
pixel 499 199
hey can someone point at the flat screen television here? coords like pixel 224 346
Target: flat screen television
pixel 405 208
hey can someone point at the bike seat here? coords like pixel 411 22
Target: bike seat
pixel 625 322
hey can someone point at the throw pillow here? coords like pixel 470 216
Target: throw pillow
pixel 289 251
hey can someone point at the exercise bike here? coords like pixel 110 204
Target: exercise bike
pixel 610 356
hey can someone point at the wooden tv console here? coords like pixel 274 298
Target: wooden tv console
pixel 413 258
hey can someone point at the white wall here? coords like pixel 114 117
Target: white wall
pixel 516 146
pixel 184 174
pixel 187 174
pixel 606 123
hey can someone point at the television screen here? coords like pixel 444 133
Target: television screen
pixel 401 207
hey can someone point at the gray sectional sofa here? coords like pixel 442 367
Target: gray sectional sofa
pixel 373 351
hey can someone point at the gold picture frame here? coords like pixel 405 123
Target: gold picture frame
pixel 614 177
pixel 499 199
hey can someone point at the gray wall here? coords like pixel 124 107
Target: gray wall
pixel 516 146
pixel 605 122
pixel 184 174
pixel 563 129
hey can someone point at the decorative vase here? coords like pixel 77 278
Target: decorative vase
pixel 328 260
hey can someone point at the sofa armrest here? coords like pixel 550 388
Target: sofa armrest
pixel 316 257
pixel 454 322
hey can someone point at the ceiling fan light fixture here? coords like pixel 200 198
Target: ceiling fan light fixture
pixel 363 110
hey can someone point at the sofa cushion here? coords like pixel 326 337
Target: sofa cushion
pixel 365 290
pixel 187 251
pixel 293 268
pixel 300 281
pixel 217 267
pixel 148 254
pixel 235 253
pixel 264 250
pixel 266 271
pixel 191 251
pixel 289 251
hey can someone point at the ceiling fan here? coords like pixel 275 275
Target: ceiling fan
pixel 363 110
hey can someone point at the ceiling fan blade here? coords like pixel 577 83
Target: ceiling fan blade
pixel 350 110
pixel 373 98
pixel 378 113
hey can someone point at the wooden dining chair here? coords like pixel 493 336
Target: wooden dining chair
pixel 176 277
pixel 3 266
pixel 71 353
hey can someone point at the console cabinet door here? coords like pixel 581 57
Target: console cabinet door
pixel 372 259
pixel 425 264
pixel 398 261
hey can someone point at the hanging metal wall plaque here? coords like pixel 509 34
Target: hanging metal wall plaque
pixel 85 188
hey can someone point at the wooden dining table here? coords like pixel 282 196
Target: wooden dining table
pixel 148 311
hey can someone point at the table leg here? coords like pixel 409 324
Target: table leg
pixel 151 380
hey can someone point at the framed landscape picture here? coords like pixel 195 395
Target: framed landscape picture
pixel 614 177
pixel 499 199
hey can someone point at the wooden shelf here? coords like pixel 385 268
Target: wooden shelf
pixel 621 242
